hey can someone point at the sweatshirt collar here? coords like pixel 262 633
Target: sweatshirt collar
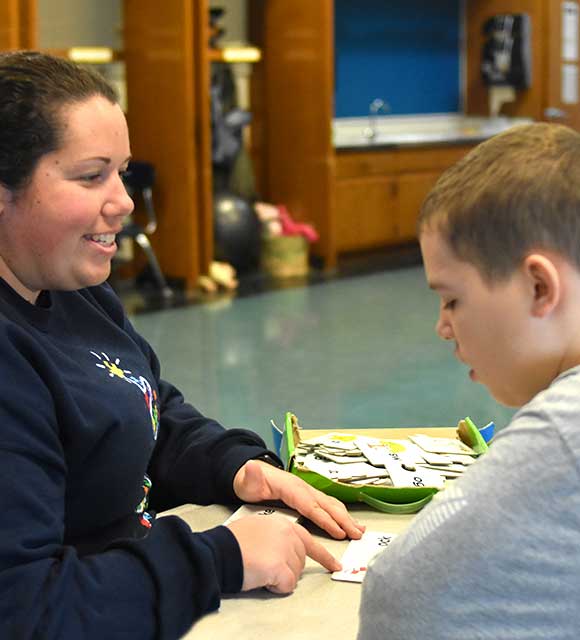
pixel 36 314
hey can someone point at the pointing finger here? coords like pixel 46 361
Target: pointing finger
pixel 317 551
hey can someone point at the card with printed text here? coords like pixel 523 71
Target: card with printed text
pixel 359 553
pixel 261 510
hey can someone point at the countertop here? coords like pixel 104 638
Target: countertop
pixel 397 131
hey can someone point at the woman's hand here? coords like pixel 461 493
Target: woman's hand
pixel 274 552
pixel 258 481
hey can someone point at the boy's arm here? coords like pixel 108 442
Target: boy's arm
pixel 496 553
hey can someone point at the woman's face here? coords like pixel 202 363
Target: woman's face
pixel 59 232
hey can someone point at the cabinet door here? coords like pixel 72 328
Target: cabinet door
pixel 412 189
pixel 561 101
pixel 18 24
pixel 366 212
pixel 292 104
pixel 168 99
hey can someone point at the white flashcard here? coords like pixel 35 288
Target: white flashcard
pixel 261 510
pixel 360 470
pixel 359 553
pixel 377 450
pixel 412 476
pixel 335 440
pixel 441 445
pixel 446 472
pixel 437 458
pixel 336 471
pixel 461 459
pixel 374 450
pixel 340 459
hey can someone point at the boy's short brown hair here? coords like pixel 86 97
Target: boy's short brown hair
pixel 516 192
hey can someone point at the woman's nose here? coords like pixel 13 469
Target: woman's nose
pixel 119 202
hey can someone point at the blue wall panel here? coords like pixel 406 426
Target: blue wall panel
pixel 406 52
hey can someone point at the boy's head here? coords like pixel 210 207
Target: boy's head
pixel 500 236
pixel 514 193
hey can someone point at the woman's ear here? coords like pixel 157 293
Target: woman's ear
pixel 4 197
pixel 545 281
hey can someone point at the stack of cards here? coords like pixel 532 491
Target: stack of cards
pixel 359 553
pixel 420 461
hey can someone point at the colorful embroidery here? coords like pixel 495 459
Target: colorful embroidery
pixel 145 518
pixel 146 489
pixel 152 404
pixel 142 383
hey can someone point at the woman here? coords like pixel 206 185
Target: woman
pixel 92 439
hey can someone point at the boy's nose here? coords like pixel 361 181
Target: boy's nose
pixel 443 329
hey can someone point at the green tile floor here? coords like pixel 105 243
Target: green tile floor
pixel 346 353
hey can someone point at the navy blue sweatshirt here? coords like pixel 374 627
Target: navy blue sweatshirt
pixel 92 442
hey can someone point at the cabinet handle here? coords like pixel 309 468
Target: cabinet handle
pixel 554 113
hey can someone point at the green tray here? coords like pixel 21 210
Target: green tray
pixel 385 499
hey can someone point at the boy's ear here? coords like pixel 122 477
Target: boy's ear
pixel 545 282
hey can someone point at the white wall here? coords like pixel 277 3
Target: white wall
pixel 66 23
pixel 234 21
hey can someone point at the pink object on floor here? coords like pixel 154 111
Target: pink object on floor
pixel 292 228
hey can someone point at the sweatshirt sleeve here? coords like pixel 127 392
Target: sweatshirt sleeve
pixel 195 458
pixel 154 587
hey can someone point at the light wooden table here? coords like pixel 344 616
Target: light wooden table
pixel 319 607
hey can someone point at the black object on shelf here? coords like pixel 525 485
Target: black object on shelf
pixel 507 56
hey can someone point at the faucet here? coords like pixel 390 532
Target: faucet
pixel 375 107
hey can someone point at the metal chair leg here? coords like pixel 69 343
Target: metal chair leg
pixel 143 241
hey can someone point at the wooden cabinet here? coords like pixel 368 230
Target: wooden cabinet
pixel 366 212
pixel 293 94
pixel 412 190
pixel 17 24
pixel 166 55
pixel 292 104
pixel 292 98
pixel 378 194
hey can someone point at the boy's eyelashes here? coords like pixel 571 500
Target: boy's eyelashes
pixel 449 304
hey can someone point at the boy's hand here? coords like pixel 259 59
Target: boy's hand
pixel 258 481
pixel 274 552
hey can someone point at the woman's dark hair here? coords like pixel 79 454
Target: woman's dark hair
pixel 34 87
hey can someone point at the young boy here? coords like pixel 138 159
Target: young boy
pixel 497 554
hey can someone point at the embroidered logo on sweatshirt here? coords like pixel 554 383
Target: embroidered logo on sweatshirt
pixel 145 518
pixel 150 394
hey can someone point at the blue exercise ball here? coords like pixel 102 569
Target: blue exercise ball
pixel 236 231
